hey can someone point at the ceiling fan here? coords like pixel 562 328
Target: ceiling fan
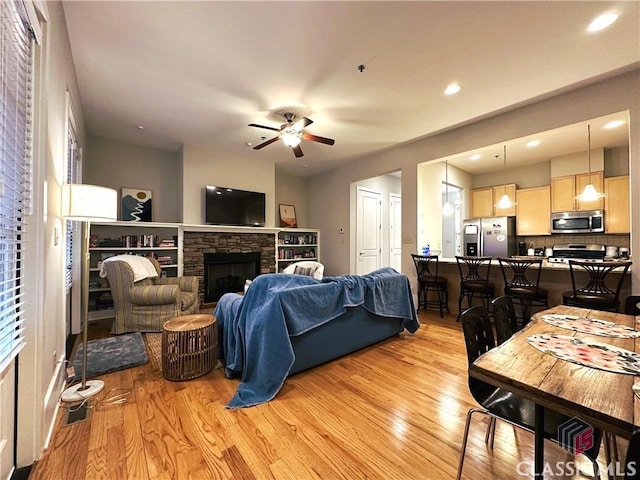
pixel 291 134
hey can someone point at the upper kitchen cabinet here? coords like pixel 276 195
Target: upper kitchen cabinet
pixel 483 201
pixel 533 211
pixel 565 189
pixel 617 216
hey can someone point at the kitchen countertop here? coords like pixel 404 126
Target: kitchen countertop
pixel 546 265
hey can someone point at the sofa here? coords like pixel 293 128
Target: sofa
pixel 287 323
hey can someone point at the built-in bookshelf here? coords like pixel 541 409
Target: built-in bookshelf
pixel 162 241
pixel 295 245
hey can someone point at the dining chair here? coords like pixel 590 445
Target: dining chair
pixel 504 318
pixel 522 282
pixel 632 305
pixel 596 293
pixel 632 458
pixel 474 280
pixel 430 281
pixel 501 404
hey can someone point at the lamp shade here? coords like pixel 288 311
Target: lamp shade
pixel 89 203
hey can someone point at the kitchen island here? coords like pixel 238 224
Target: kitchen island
pixel 555 277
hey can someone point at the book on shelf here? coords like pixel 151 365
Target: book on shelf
pixel 167 242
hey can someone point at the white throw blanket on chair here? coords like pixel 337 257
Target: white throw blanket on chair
pixel 142 267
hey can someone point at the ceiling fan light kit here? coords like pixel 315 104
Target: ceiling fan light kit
pixel 291 134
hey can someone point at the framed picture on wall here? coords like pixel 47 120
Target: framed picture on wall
pixel 136 205
pixel 288 216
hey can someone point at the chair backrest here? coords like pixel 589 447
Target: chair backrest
pixel 478 333
pixel 598 272
pixel 469 268
pixel 309 268
pixel 504 318
pixel 514 271
pixel 632 305
pixel 426 266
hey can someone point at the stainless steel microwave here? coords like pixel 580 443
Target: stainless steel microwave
pixel 587 221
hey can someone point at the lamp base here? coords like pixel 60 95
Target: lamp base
pixel 76 393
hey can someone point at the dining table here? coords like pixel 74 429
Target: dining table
pixel 549 363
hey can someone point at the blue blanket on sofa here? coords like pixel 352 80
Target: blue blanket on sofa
pixel 255 342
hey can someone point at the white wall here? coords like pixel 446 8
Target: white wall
pixel 117 164
pixel 329 192
pixel 291 190
pixel 385 185
pixel 40 362
pixel 528 176
pixel 431 177
pixel 201 168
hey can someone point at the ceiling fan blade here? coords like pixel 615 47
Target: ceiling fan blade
pixel 264 126
pixel 297 151
pixel 268 142
pixel 316 138
pixel 300 124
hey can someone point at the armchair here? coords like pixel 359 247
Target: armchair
pixel 145 305
pixel 309 268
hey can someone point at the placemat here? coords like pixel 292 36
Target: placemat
pixel 591 326
pixel 587 353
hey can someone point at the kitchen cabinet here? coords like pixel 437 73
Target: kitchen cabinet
pixel 617 212
pixel 533 211
pixel 565 189
pixel 483 201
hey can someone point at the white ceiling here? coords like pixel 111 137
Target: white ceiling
pixel 199 72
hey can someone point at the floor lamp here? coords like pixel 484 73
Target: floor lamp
pixel 86 203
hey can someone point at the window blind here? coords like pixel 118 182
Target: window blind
pixel 16 80
pixel 72 177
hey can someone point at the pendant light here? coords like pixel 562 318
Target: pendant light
pixel 505 202
pixel 589 194
pixel 447 208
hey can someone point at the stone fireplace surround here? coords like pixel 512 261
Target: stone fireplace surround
pixel 197 243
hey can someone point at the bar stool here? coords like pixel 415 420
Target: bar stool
pixel 428 280
pixel 472 283
pixel 596 293
pixel 520 288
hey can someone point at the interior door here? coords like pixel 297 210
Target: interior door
pixel 368 230
pixel 395 231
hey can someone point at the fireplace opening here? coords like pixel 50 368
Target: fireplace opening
pixel 227 273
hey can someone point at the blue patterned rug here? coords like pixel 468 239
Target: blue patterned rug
pixel 111 354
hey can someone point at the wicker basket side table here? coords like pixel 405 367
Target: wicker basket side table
pixel 189 346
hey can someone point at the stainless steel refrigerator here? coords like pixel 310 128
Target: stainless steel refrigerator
pixel 489 237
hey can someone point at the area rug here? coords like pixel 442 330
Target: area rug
pixel 111 354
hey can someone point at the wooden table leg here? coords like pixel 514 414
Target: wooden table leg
pixel 538 464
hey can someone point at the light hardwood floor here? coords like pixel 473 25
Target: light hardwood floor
pixel 392 411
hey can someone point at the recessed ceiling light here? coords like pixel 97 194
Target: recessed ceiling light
pixel 305 166
pixel 603 21
pixel 614 124
pixel 533 143
pixel 249 144
pixel 475 156
pixel 140 127
pixel 452 89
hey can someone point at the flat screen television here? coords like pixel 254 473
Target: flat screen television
pixel 230 206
